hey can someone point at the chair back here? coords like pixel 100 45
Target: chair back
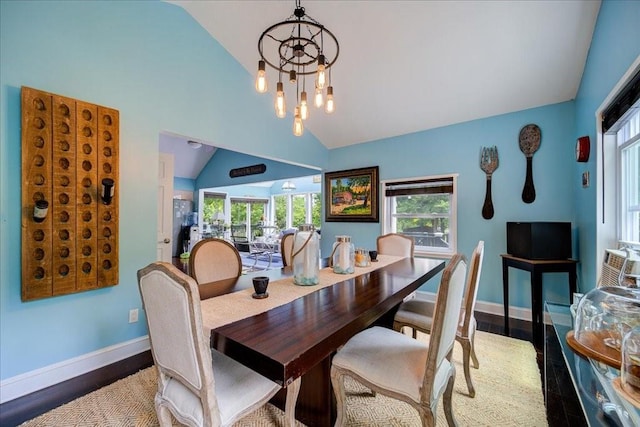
pixel 445 322
pixel 286 248
pixel 171 302
pixel 473 280
pixel 214 259
pixel 395 244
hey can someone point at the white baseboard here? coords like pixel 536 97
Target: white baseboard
pixel 38 379
pixel 520 313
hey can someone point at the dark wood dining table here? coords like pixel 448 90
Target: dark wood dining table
pixel 299 338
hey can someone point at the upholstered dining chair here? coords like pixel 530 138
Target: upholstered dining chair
pixel 197 385
pixel 400 367
pixel 395 244
pixel 214 259
pixel 286 248
pixel 417 314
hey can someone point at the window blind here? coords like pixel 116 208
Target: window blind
pixel 420 186
pixel 628 96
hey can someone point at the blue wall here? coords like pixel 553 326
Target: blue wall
pixel 614 48
pixel 456 149
pixel 131 56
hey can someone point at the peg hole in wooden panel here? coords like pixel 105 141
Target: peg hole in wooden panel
pixel 38 196
pixel 106 167
pixel 106 135
pixel 86 233
pixel 86 267
pixel 38 235
pixel 106 119
pixel 38 254
pixel 86 114
pixel 86 182
pixel 63 234
pixel 63 270
pixel 106 248
pixel 64 181
pixel 38 179
pixel 86 165
pixel 106 232
pixel 106 152
pixel 64 128
pixel 38 141
pixel 86 250
pixel 64 163
pixel 86 199
pixel 106 264
pixel 86 131
pixel 64 252
pixel 63 198
pixel 39 273
pixel 86 149
pixel 38 104
pixel 39 123
pixel 64 110
pixel 64 145
pixel 86 216
pixel 38 160
pixel 106 216
pixel 64 216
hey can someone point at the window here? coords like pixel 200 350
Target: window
pixel 247 212
pixel 628 157
pixel 291 210
pixel 424 209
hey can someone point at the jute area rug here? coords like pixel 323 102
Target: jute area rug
pixel 508 393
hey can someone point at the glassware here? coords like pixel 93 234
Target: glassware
pixel 630 370
pixel 343 255
pixel 362 258
pixel 306 256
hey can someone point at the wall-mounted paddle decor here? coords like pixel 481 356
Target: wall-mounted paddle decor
pixel 488 163
pixel 529 141
pixel 70 165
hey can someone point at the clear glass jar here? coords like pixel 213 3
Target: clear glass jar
pixel 630 370
pixel 306 256
pixel 362 258
pixel 343 255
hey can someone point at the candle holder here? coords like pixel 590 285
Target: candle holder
pixel 108 189
pixel 343 255
pixel 40 210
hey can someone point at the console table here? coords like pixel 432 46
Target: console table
pixel 536 268
pixel 601 405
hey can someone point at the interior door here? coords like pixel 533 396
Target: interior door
pixel 165 206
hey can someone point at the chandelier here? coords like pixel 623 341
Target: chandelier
pixel 298 47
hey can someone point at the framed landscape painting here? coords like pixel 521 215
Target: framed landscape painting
pixel 351 195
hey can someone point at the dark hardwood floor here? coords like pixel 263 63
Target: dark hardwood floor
pixel 563 408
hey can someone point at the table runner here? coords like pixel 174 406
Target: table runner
pixel 228 308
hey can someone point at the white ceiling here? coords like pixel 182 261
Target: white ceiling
pixel 188 159
pixel 407 66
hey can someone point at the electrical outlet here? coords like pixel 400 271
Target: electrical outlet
pixel 133 315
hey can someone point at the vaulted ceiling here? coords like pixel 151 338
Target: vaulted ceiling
pixel 408 66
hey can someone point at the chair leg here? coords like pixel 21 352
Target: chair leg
pixel 164 416
pixel 290 406
pixel 472 339
pixel 466 353
pixel 427 417
pixel 337 381
pixel 447 401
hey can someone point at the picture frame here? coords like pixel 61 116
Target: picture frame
pixel 352 195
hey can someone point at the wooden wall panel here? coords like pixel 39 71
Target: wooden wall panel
pixel 68 147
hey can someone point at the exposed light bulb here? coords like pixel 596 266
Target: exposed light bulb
pixel 304 109
pixel 329 106
pixel 281 110
pixel 320 75
pixel 298 129
pixel 261 78
pixel 317 99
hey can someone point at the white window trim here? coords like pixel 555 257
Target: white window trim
pixel 453 224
